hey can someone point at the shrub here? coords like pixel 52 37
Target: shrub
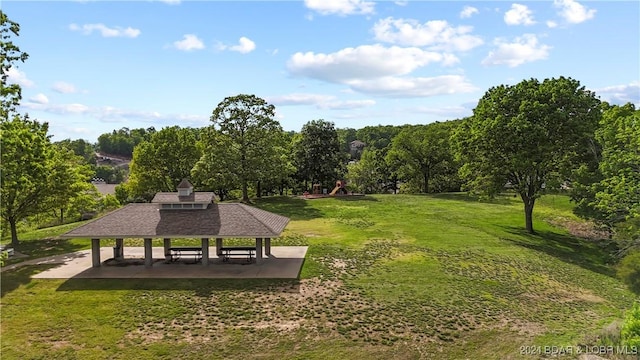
pixel 630 331
pixel 629 271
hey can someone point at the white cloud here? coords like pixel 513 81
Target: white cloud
pixel 170 2
pixel 64 87
pixel 16 76
pixel 340 7
pixel 349 104
pixel 106 31
pixel 404 87
pixel 523 49
pixel 551 24
pixel 437 34
pixel 573 12
pixel 448 112
pixel 188 43
pixel 245 46
pixel 363 62
pixel 60 109
pixel 519 15
pixel 401 2
pixel 621 94
pixel 319 101
pixel 39 99
pixel 468 11
pixel 113 114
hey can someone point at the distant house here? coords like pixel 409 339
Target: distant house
pixel 355 148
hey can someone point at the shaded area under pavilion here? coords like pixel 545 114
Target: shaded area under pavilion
pixel 182 214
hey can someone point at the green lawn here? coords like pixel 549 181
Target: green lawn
pixel 387 276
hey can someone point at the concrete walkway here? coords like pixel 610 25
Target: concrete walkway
pixel 285 262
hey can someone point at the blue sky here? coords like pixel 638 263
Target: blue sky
pixel 96 66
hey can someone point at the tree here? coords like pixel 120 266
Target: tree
pixel 214 169
pixel 420 150
pixel 71 191
pixel 122 142
pixel 160 163
pixel 317 153
pixel 610 193
pixel 10 94
pixel 368 174
pixel 246 142
pixel 82 148
pixel 345 137
pixel 531 135
pixel 378 137
pixel 35 175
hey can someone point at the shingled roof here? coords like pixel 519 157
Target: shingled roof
pixel 217 221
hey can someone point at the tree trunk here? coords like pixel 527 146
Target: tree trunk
pixel 426 181
pixel 528 213
pixel 259 189
pixel 61 216
pixel 14 234
pixel 245 192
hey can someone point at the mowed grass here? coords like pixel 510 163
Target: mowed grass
pixel 400 277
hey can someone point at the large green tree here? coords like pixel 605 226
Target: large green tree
pixel 368 175
pixel 420 151
pixel 318 156
pixel 77 195
pixel 36 175
pixel 10 94
pixel 213 170
pixel 160 163
pixel 530 135
pixel 246 144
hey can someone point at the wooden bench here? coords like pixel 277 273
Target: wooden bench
pixel 228 251
pixel 177 252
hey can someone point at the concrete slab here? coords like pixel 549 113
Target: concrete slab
pixel 285 262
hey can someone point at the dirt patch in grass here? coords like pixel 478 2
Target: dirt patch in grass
pixel 582 229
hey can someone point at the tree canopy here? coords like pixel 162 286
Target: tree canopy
pixel 610 193
pixel 160 163
pixel 317 153
pixel 10 94
pixel 419 151
pixel 530 135
pixel 36 175
pixel 121 142
pixel 244 143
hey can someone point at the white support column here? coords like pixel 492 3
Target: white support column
pixel 167 252
pixel 205 251
pixel 219 247
pixel 95 252
pixel 148 253
pixel 258 250
pixel 267 246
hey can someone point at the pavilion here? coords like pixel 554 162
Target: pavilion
pixel 182 214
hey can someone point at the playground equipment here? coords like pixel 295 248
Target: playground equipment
pixel 339 189
pixel 318 192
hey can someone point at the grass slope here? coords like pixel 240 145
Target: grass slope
pixel 400 277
